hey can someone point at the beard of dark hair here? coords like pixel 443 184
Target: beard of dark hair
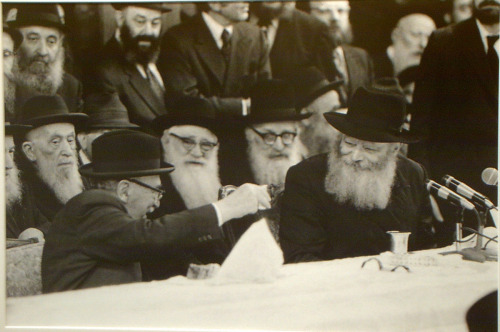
pixel 13 190
pixel 365 189
pixel 42 78
pixel 266 15
pixel 487 16
pixel 339 36
pixel 134 52
pixel 9 95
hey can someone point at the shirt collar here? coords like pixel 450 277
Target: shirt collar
pixel 484 34
pixel 216 28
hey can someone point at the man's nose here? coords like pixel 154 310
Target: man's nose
pixel 42 48
pixel 196 151
pixel 423 41
pixel 357 155
pixel 334 15
pixel 278 145
pixel 66 148
pixel 148 28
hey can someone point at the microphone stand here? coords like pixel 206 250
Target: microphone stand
pixel 477 253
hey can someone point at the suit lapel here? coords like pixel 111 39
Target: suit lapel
pixel 143 89
pixel 208 51
pixel 239 47
pixel 471 45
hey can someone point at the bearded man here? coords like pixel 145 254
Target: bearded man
pixel 40 58
pixel 342 204
pixel 353 64
pixel 46 155
pixel 128 65
pixel 11 39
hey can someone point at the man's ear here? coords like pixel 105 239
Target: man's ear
pixel 28 150
pixel 122 190
pixel 119 18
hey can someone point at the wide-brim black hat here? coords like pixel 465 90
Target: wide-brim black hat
pixel 16 36
pixel 188 110
pixel 273 101
pixel 37 14
pixel 106 111
pixel 150 5
pixel 15 129
pixel 373 115
pixel 125 153
pixel 310 83
pixel 42 110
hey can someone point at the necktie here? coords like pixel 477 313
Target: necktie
pixel 157 89
pixel 493 56
pixel 226 45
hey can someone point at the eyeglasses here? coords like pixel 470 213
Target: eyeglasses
pixel 190 143
pixel 270 138
pixel 159 191
pixel 8 54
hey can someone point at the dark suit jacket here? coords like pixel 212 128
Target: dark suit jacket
pixel 301 40
pixel 70 91
pixel 116 74
pixel 94 242
pixel 315 227
pixel 191 63
pixel 456 107
pixel 359 67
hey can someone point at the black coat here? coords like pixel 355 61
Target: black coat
pixel 456 107
pixel 94 242
pixel 315 227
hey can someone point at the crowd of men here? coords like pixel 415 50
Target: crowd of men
pixel 120 171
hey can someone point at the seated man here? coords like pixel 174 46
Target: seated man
pixel 100 236
pixel 46 157
pixel 342 204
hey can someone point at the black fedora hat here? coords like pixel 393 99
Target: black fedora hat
pixel 125 153
pixel 16 36
pixel 15 129
pixel 375 114
pixel 188 110
pixel 309 84
pixel 42 110
pixel 273 101
pixel 39 14
pixel 162 7
pixel 106 111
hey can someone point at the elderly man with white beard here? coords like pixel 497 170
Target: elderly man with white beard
pixel 40 58
pixel 46 155
pixel 342 204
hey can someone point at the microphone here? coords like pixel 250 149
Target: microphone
pixel 490 176
pixel 466 191
pixel 448 195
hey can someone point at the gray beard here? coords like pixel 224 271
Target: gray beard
pixel 271 171
pixel 65 184
pixel 13 190
pixel 197 185
pixel 46 83
pixel 9 94
pixel 365 189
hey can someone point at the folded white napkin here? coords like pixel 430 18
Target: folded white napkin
pixel 256 257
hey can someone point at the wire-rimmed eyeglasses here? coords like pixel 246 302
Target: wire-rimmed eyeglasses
pixel 159 191
pixel 190 143
pixel 287 137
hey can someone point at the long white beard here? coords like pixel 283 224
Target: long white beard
pixel 46 83
pixel 198 185
pixel 65 183
pixel 366 189
pixel 13 190
pixel 272 171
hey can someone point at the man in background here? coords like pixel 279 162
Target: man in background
pixel 11 39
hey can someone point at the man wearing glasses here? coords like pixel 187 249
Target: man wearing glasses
pixel 101 235
pixel 341 204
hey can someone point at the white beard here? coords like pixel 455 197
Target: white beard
pixel 42 83
pixel 12 187
pixel 272 171
pixel 65 183
pixel 366 189
pixel 198 185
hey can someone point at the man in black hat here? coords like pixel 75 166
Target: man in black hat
pixel 40 58
pixel 106 113
pixel 46 154
pixel 11 39
pixel 342 204
pixel 128 61
pixel 101 235
pixel 315 96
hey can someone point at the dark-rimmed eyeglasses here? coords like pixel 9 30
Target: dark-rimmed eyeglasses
pixel 287 137
pixel 159 191
pixel 8 54
pixel 190 143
